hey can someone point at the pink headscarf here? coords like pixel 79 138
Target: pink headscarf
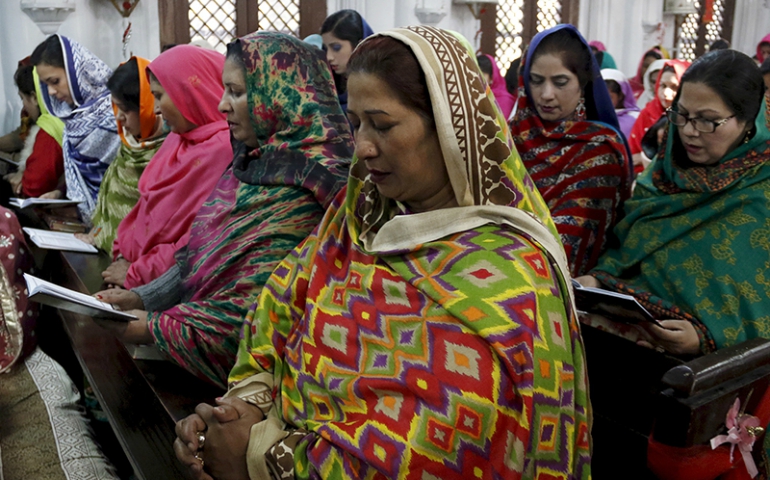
pixel 184 171
pixel 598 45
pixel 760 57
pixel 497 84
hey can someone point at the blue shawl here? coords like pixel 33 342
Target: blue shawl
pixel 91 140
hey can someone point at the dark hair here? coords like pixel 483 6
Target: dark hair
pixel 765 68
pixel 613 87
pixel 719 44
pixel 573 53
pixel 652 53
pixel 512 77
pixel 48 52
pixel 666 68
pixel 124 85
pixel 485 64
pixel 235 53
pixel 393 62
pixel 25 80
pixel 345 25
pixel 734 77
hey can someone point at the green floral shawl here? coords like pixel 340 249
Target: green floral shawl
pixel 695 242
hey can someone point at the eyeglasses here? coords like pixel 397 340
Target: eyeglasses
pixel 700 124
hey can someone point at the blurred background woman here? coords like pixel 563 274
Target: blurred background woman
pixel 622 97
pixel 666 88
pixel 341 32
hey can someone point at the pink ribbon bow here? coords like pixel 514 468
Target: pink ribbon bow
pixel 741 432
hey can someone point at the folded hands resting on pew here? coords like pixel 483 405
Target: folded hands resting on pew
pixel 116 273
pixel 225 431
pixel 678 337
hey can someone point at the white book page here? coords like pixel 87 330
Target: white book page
pixel 58 240
pixel 28 202
pixel 37 285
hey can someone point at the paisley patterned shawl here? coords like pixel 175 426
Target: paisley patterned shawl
pixel 695 242
pixel 442 343
pixel 247 227
pixel 582 168
pixel 90 141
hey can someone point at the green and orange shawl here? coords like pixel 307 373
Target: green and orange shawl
pixel 432 345
pixel 695 242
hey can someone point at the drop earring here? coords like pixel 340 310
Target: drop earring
pixel 580 111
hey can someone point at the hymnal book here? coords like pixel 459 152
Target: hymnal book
pixel 9 158
pixel 55 296
pixel 58 241
pixel 615 306
pixel 40 202
pixel 59 223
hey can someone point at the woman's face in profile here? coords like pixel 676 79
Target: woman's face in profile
pixel 165 106
pixel 555 89
pixel 403 156
pixel 129 119
pixel 338 52
pixel 700 101
pixel 235 104
pixel 56 80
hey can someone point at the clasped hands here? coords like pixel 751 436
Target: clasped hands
pixel 225 430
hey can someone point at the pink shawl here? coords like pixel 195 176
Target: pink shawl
pixel 184 171
pixel 497 83
pixel 760 57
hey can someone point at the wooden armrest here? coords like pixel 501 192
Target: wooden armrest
pixel 692 408
pixel 710 370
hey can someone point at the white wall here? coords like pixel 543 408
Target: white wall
pixel 620 25
pixel 94 23
pixel 752 23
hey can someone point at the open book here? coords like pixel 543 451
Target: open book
pixel 40 202
pixel 58 241
pixel 8 158
pixel 55 296
pixel 615 306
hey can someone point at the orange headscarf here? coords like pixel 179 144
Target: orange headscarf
pixel 147 117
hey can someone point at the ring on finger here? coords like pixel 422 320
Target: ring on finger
pixel 198 457
pixel 201 439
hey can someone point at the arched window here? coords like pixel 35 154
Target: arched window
pixel 219 21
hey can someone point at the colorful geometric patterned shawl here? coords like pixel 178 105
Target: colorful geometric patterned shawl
pixel 581 168
pixel 695 242
pixel 90 141
pixel 120 187
pixel 263 206
pixel 431 345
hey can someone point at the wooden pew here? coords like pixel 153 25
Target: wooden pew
pixel 141 399
pixel 636 392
